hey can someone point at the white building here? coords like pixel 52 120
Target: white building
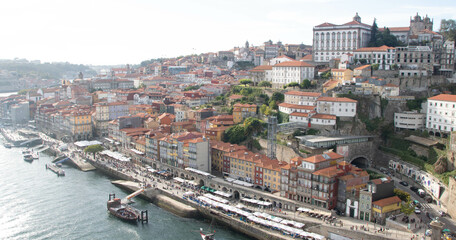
pixel 340 107
pixel 441 111
pixel 291 71
pixel 323 119
pixel 180 114
pixel 331 40
pixel 299 117
pixel 302 98
pixel 409 120
pixel 384 56
pixel 20 113
pixel 289 108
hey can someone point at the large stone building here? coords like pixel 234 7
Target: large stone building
pixel 412 120
pixel 331 41
pixel 292 71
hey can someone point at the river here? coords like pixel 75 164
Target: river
pixel 36 204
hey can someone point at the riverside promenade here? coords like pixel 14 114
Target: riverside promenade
pixel 343 227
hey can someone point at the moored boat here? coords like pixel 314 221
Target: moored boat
pixel 28 158
pixel 122 211
pixel 7 145
pixel 207 236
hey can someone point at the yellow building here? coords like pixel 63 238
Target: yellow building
pixel 385 207
pixel 218 151
pixel 271 175
pixel 243 111
pixel 80 124
pixel 140 144
pixel 342 75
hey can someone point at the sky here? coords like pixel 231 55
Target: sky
pixel 108 32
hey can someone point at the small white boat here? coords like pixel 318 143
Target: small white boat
pixel 207 236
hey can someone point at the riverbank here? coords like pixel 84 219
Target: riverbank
pixel 170 202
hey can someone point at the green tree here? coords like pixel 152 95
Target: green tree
pixel 245 81
pixel 263 108
pixel 252 126
pixel 235 134
pixel 326 75
pixel 404 196
pixel 190 88
pixel 293 84
pixel 407 208
pixel 23 92
pixel 265 84
pixel 273 104
pixel 375 66
pixel 94 149
pixel 278 96
pixel 374 33
pixel 448 29
pixel 142 85
pixel 268 111
pixel 305 84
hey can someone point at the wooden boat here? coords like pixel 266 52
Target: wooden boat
pixel 28 158
pixel 122 211
pixel 207 236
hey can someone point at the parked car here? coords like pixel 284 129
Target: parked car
pixel 403 183
pixel 442 213
pixel 417 210
pixel 413 188
pixel 428 199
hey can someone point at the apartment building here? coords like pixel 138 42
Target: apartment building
pixel 441 114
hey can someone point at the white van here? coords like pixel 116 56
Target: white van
pixel 421 192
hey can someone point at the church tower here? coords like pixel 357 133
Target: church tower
pixel 357 18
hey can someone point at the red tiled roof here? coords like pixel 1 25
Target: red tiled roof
pixel 396 29
pixel 326 24
pixel 324 116
pixel 307 57
pixel 383 48
pixel 363 67
pixel 444 97
pixel 299 114
pixel 261 68
pixel 387 201
pixel 299 93
pixel 296 106
pixel 293 64
pixel 336 99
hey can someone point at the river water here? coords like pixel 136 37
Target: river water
pixel 36 204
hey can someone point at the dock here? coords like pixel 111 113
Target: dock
pixel 82 164
pixel 55 169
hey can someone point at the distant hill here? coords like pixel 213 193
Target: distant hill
pixel 45 70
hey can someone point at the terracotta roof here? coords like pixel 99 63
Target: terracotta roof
pixel 244 105
pixel 299 93
pixel 235 96
pixel 299 114
pixel 293 64
pixel 296 106
pixel 391 85
pixel 383 48
pixel 307 57
pixel 286 57
pixel 326 24
pixel 324 116
pixel 387 201
pixel 356 23
pixel 321 158
pixel 336 99
pixel 261 68
pixel 332 171
pixel 396 29
pixel 444 97
pixel 363 67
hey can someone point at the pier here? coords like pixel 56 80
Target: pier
pixel 60 172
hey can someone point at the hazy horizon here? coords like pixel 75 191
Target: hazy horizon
pixel 120 32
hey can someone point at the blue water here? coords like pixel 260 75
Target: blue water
pixel 36 204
